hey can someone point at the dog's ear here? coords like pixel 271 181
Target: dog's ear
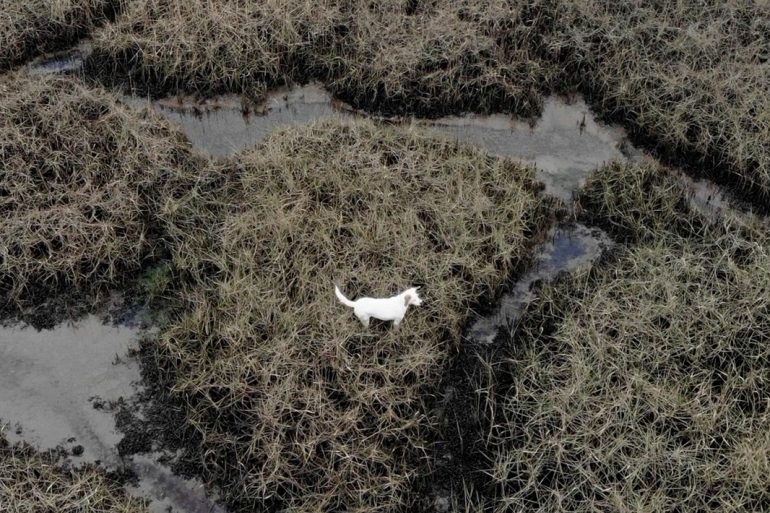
pixel 407 300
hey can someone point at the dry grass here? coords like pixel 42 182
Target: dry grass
pixel 297 405
pixel 691 76
pixel 639 202
pixel 80 180
pixel 34 483
pixel 29 28
pixel 395 56
pixel 643 385
pixel 428 58
pixel 208 47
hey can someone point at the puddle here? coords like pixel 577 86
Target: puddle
pixel 712 199
pixel 220 127
pixel 565 144
pixel 705 195
pixel 50 379
pixel 56 387
pixel 570 248
pixel 68 61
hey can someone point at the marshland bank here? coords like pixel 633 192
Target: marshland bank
pixel 32 482
pixel 642 382
pixel 687 80
pixel 28 29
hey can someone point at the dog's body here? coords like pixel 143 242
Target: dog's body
pixel 386 309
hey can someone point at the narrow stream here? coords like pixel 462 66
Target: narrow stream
pixel 566 144
pixel 570 248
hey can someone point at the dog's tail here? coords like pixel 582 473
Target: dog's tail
pixel 345 301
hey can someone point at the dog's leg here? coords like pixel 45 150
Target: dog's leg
pixel 397 323
pixel 364 320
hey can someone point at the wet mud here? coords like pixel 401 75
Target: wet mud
pixel 569 249
pixel 457 454
pixel 65 61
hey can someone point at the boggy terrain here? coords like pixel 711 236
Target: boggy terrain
pixel 295 404
pixel 690 79
pixel 252 246
pixel 640 384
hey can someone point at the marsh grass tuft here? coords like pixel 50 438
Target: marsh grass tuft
pixel 643 384
pixel 690 78
pixel 33 482
pixel 81 179
pixel 295 402
pixel 384 56
pixel 29 28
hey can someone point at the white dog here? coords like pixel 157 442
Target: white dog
pixel 386 309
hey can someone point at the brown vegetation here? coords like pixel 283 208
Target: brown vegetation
pixel 35 483
pixel 297 404
pixel 689 78
pixel 80 178
pixel 394 56
pixel 643 384
pixel 32 27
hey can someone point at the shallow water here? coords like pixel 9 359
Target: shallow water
pixel 67 61
pixel 219 126
pixel 565 144
pixel 56 387
pixel 569 249
pixel 50 379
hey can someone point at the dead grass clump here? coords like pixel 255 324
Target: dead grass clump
pixel 644 384
pixel 429 58
pixel 638 201
pixel 34 483
pixel 690 76
pixel 645 201
pixel 394 56
pixel 81 175
pixel 297 405
pixel 212 47
pixel 29 28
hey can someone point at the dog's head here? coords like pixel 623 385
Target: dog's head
pixel 411 297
